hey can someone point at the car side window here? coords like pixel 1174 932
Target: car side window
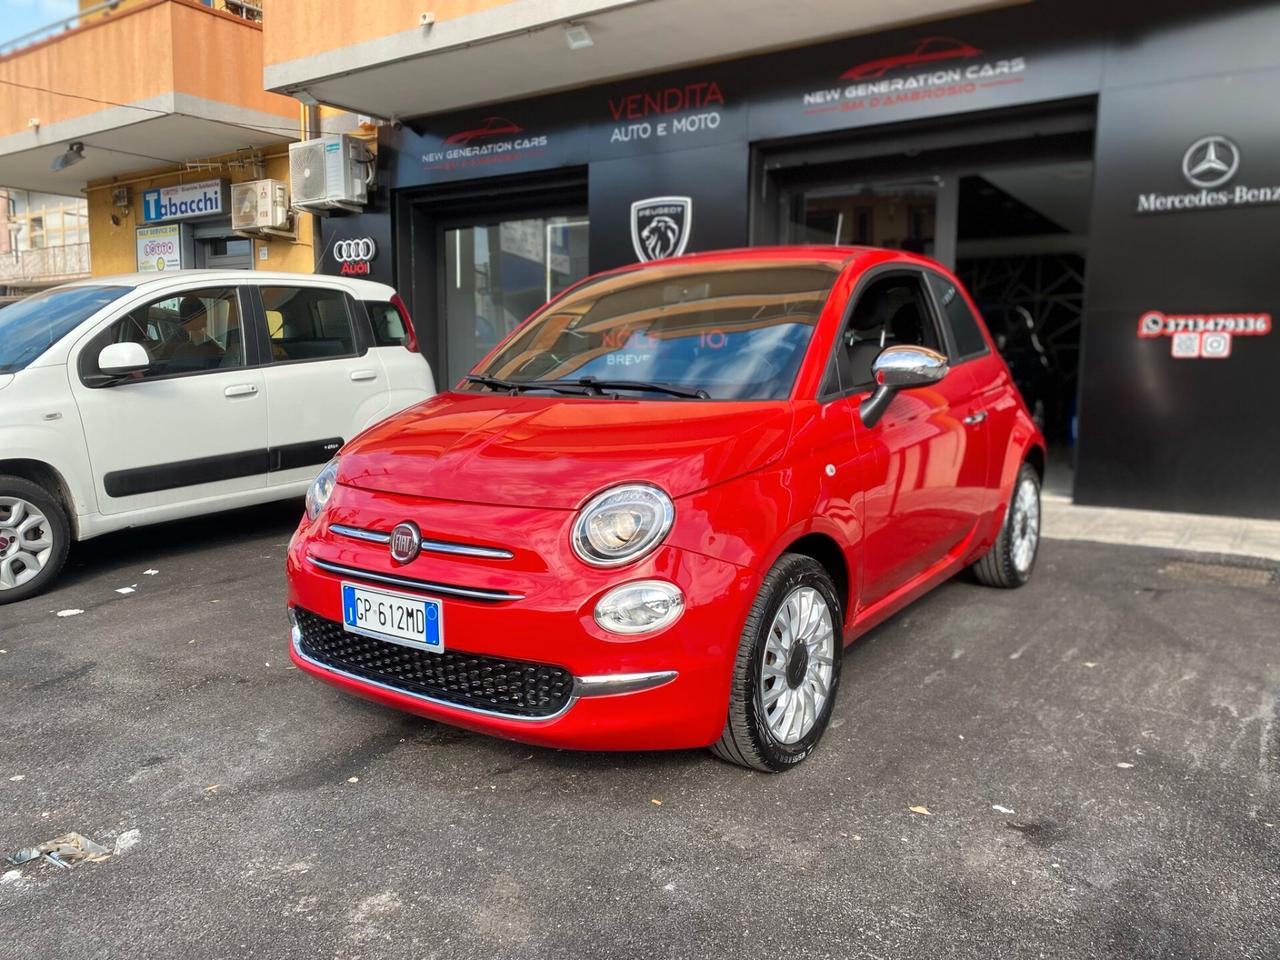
pixel 308 323
pixel 194 331
pixel 966 335
pixel 388 325
pixel 890 311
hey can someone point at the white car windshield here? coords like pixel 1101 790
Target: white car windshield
pixel 30 327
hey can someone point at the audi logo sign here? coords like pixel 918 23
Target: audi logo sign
pixel 355 255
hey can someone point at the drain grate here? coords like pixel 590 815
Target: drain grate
pixel 1214 571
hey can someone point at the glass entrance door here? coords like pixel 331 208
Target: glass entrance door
pixel 498 272
pixel 901 215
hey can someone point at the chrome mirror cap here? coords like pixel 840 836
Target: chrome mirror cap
pixel 904 367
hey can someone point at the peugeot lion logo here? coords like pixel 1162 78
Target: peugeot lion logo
pixel 1210 162
pixel 406 542
pixel 660 226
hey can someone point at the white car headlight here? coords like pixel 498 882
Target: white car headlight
pixel 640 607
pixel 620 525
pixel 321 489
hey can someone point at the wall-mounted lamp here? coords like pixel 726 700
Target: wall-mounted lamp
pixel 577 36
pixel 73 155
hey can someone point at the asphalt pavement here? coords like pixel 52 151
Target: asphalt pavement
pixel 1098 756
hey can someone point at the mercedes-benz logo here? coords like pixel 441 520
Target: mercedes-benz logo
pixel 1210 161
pixel 406 542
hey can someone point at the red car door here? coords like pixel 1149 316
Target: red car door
pixel 923 469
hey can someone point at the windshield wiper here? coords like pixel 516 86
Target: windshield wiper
pixel 588 386
pixel 515 386
pixel 594 383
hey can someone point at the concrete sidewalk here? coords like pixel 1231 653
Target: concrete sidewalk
pixel 1064 520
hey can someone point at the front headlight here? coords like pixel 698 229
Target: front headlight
pixel 321 489
pixel 622 524
pixel 640 607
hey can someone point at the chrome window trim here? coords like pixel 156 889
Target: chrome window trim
pixel 431 546
pixel 423 586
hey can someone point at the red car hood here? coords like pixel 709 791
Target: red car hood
pixel 551 452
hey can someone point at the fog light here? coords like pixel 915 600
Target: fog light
pixel 640 607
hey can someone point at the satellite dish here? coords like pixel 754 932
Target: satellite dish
pixel 73 155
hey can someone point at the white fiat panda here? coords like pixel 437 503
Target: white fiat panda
pixel 135 399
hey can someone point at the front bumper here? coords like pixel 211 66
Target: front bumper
pixel 656 691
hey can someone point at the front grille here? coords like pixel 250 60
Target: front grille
pixel 515 687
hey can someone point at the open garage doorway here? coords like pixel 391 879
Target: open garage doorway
pixel 1002 199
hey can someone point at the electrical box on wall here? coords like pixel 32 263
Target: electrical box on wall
pixel 260 206
pixel 330 173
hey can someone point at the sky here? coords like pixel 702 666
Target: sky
pixel 22 16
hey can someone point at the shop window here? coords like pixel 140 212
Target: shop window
pixel 306 323
pixel 192 332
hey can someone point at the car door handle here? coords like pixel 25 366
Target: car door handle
pixel 359 375
pixel 975 418
pixel 240 390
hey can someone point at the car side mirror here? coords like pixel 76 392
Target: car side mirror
pixel 122 359
pixel 900 368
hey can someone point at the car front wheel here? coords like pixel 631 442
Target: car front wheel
pixel 1012 557
pixel 35 535
pixel 787 669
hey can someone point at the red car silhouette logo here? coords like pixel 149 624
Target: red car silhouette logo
pixel 492 127
pixel 927 50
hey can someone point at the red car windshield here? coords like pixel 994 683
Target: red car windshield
pixel 736 331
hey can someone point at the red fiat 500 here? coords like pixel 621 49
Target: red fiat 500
pixel 654 515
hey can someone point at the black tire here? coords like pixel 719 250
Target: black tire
pixel 998 567
pixel 747 739
pixel 59 526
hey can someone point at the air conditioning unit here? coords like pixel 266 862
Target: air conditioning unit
pixel 259 205
pixel 330 172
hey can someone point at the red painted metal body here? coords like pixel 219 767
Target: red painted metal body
pixel 903 504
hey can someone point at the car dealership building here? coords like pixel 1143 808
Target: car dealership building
pixel 1104 177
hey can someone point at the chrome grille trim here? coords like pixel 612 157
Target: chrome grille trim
pixel 431 546
pixel 423 586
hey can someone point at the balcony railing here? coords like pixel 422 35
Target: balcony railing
pixel 245 9
pixel 45 265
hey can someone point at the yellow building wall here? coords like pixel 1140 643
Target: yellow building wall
pixel 113 247
pixel 300 28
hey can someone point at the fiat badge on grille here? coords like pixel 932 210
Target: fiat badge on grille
pixel 406 542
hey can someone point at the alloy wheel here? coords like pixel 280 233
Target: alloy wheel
pixel 26 542
pixel 1024 528
pixel 795 677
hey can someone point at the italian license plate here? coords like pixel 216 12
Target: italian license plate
pixel 411 621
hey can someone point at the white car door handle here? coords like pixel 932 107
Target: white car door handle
pixel 240 390
pixel 975 418
pixel 359 375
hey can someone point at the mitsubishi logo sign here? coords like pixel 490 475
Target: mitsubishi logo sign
pixel 660 227
pixel 1210 162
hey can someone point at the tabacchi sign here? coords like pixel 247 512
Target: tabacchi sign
pixel 1209 164
pixel 935 67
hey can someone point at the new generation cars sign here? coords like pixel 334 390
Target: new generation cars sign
pixel 187 201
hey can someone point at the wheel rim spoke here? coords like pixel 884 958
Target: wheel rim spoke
pixel 802 627
pixel 29 542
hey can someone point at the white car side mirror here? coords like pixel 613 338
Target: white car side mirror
pixel 122 359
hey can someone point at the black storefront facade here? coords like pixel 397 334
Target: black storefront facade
pixel 1109 177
